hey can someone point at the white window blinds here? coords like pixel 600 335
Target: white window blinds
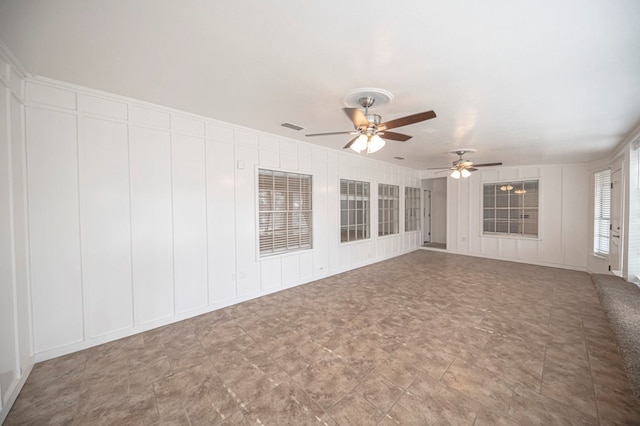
pixel 601 214
pixel 285 215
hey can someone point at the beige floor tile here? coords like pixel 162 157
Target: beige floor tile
pixel 379 391
pixel 530 407
pixel 411 340
pixel 355 410
pixel 491 390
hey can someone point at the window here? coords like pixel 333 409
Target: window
pixel 601 213
pixel 411 209
pixel 354 210
pixel 511 208
pixel 388 206
pixel 284 214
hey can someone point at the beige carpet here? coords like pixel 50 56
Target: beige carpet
pixel 621 301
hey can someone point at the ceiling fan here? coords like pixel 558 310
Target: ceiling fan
pixel 463 168
pixel 369 131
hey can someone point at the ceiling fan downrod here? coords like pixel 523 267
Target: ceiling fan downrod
pixel 366 103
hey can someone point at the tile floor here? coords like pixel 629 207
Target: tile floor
pixel 424 338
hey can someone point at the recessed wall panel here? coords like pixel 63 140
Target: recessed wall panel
pixel 20 234
pixel 106 224
pixel 291 269
pixel 54 228
pixel 550 225
pixel 248 268
pixel 189 222
pixel 271 273
pixel 221 221
pixel 575 204
pixel 151 224
pixel 8 308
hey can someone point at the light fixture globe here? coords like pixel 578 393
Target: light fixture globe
pixel 359 144
pixel 465 173
pixel 375 143
pixel 455 174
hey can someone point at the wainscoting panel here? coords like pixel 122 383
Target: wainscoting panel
pixel 106 226
pixel 56 283
pixel 167 222
pixel 221 221
pixel 151 224
pixel 189 222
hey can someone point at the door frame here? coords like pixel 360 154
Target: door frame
pixel 426 216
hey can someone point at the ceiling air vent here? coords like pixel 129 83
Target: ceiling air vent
pixel 291 126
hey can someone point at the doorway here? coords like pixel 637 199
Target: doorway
pixel 617 232
pixel 434 216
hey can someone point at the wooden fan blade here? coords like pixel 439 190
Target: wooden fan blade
pixel 331 133
pixel 471 169
pixel 357 116
pixel 393 136
pixel 487 164
pixel 348 145
pixel 409 119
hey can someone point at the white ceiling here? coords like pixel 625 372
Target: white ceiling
pixel 523 82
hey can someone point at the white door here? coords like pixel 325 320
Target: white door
pixel 617 234
pixel 426 217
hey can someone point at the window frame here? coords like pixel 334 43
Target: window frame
pixel 414 209
pixel 390 208
pixel 522 207
pixel 361 229
pixel 598 207
pixel 305 214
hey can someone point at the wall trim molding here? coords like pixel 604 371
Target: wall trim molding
pixel 15 390
pixel 12 60
pixel 515 260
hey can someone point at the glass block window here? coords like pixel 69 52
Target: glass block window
pixel 511 208
pixel 284 212
pixel 354 210
pixel 412 209
pixel 388 209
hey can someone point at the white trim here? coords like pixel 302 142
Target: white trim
pixel 12 60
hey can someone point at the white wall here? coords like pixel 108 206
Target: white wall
pixel 563 220
pixel 16 353
pixel 141 215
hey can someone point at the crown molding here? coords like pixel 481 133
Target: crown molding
pixel 17 66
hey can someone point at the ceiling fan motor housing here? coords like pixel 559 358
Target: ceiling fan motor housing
pixel 373 119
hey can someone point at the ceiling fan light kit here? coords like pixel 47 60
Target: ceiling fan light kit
pixel 369 143
pixel 370 132
pixel 462 168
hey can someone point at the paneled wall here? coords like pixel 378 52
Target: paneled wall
pixel 563 239
pixel 16 353
pixel 141 215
